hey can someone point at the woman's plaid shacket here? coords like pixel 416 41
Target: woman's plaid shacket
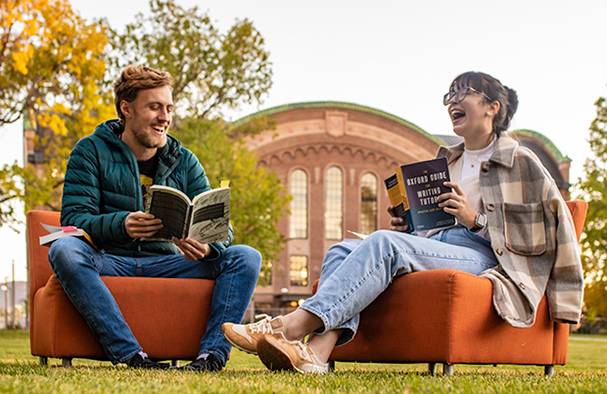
pixel 532 236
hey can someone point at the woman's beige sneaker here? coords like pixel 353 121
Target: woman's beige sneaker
pixel 279 354
pixel 246 336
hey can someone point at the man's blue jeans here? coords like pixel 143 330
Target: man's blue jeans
pixel 78 267
pixel 355 272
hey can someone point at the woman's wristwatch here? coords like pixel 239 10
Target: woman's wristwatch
pixel 480 222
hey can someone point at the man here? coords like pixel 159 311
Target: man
pixel 105 186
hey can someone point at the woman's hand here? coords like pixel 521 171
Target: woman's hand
pixel 396 222
pixel 456 203
pixel 192 249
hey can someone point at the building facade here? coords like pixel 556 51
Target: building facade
pixel 333 158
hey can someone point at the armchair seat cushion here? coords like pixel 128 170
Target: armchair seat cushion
pixel 445 316
pixel 167 316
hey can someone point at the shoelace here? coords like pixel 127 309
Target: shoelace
pixel 262 326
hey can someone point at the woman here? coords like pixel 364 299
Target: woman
pixel 513 228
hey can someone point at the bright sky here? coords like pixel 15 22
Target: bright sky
pixel 400 57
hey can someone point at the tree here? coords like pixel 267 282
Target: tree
pixel 10 190
pixel 258 198
pixel 52 71
pixel 44 46
pixel 19 23
pixel 594 240
pixel 211 70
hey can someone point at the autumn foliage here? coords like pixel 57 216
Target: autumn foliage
pixel 51 72
pixel 56 70
pixel 594 240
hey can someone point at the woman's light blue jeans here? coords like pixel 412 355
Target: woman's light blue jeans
pixel 355 272
pixel 78 267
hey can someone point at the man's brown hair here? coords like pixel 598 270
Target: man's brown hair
pixel 135 78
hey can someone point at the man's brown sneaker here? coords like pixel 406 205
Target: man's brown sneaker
pixel 279 354
pixel 246 336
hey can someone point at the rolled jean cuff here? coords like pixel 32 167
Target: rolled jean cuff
pixel 219 355
pixel 126 358
pixel 346 335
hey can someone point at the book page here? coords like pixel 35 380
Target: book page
pixel 56 232
pixel 172 207
pixel 211 216
pixel 358 235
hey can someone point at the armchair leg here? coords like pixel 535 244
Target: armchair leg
pixel 448 369
pixel 331 365
pixel 432 368
pixel 174 363
pixel 548 371
pixel 43 361
pixel 66 362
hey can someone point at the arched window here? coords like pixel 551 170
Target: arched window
pixel 333 203
pixel 298 270
pixel 368 203
pixel 298 188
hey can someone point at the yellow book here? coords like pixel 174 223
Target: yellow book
pixel 401 189
pixel 398 197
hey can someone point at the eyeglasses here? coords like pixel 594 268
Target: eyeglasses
pixel 456 96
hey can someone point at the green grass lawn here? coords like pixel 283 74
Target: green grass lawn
pixel 20 373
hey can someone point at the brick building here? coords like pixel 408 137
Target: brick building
pixel 333 157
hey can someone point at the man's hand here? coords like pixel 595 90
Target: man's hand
pixel 192 249
pixel 141 225
pixel 456 203
pixel 396 222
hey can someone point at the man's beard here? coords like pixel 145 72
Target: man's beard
pixel 147 141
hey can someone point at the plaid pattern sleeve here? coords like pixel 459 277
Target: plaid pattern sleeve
pixel 565 287
pixel 566 282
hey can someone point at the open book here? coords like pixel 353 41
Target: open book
pixel 413 191
pixel 205 218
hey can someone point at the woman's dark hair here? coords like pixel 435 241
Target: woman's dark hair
pixel 494 89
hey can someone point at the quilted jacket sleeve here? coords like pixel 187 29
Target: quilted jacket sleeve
pixel 81 198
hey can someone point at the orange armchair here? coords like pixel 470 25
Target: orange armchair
pixel 167 316
pixel 447 316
